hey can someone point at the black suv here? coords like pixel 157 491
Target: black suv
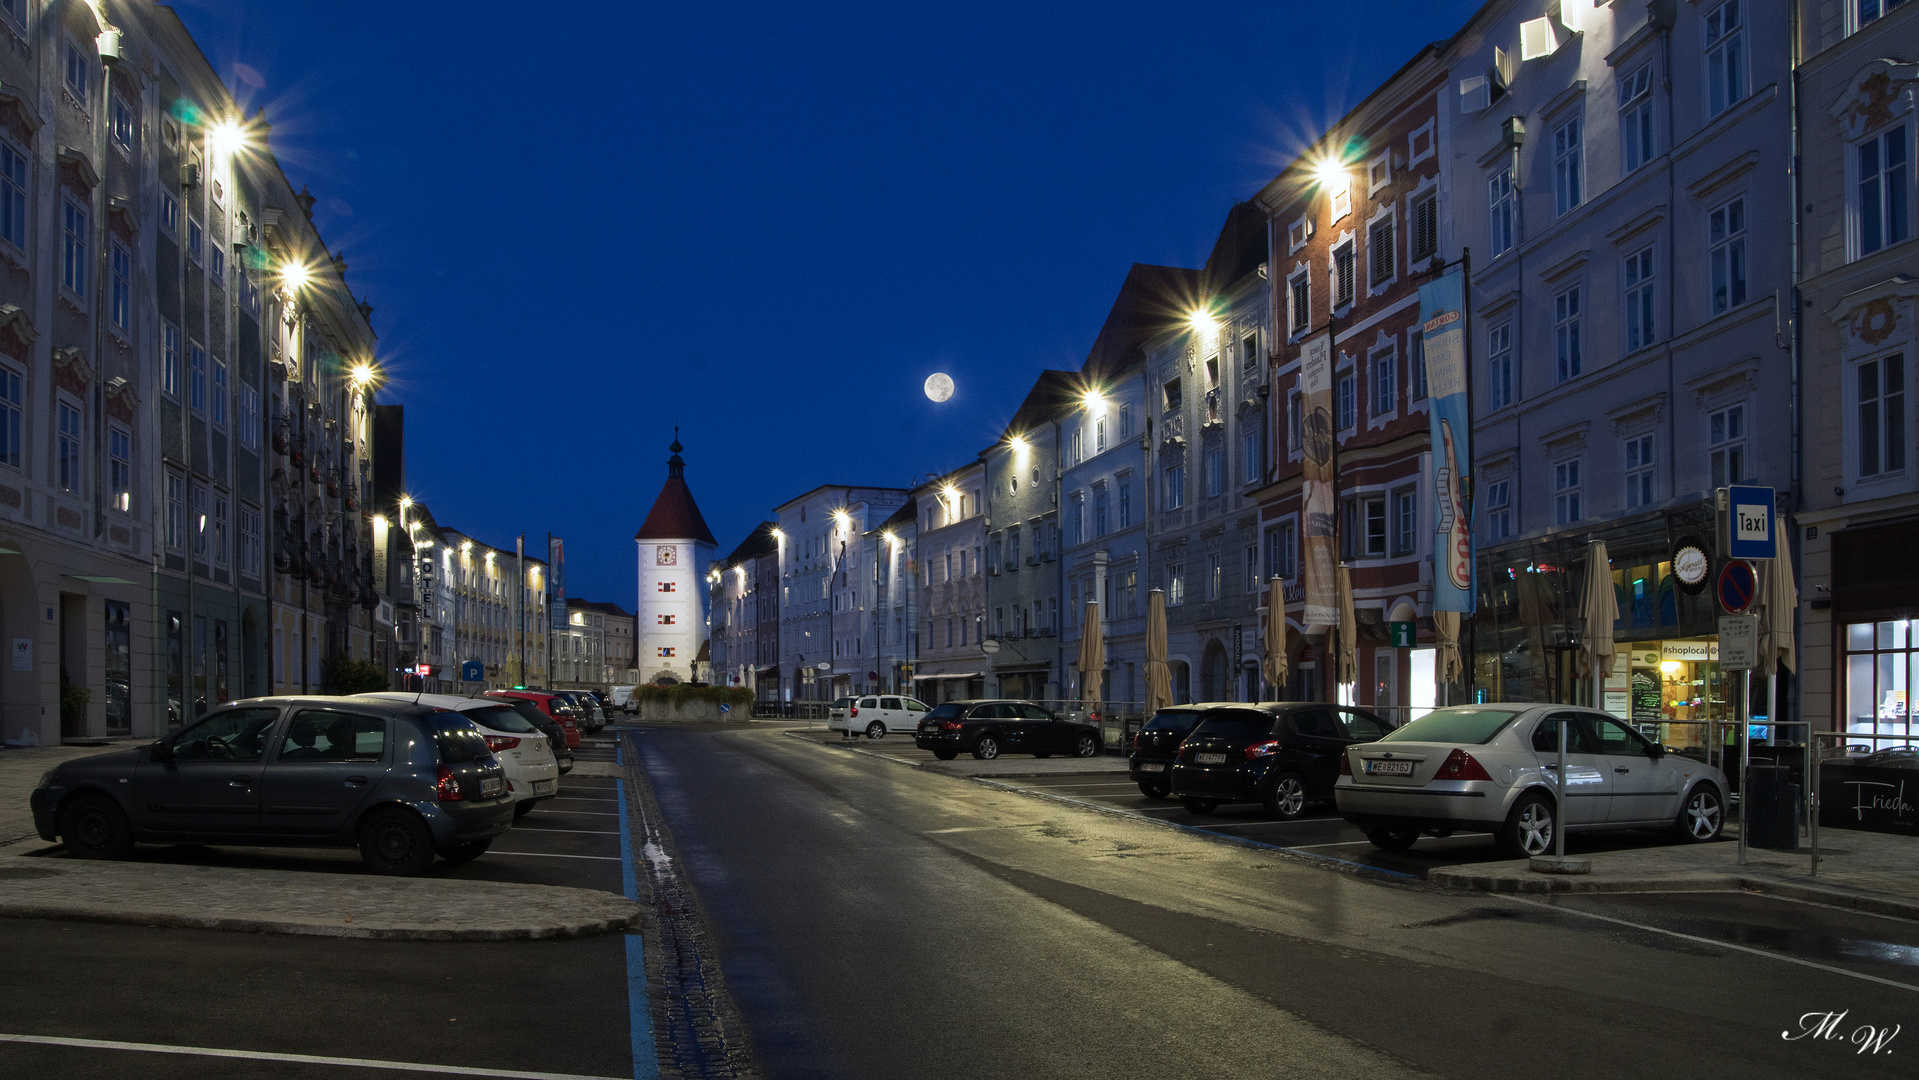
pixel 1282 755
pixel 1157 744
pixel 987 729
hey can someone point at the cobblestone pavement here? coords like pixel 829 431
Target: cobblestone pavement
pixel 20 772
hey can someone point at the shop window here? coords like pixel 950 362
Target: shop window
pixel 1880 660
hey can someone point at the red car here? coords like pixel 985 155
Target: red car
pixel 550 704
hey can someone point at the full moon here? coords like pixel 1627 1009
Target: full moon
pixel 939 386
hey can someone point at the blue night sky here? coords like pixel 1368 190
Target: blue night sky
pixel 581 222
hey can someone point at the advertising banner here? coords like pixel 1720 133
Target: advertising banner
pixel 1319 506
pixel 1443 324
pixel 556 581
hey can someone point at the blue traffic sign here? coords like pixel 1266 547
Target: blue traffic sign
pixel 1749 525
pixel 1737 586
pixel 472 671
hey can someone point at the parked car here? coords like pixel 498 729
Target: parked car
pixel 400 781
pixel 876 714
pixel 532 770
pixel 585 709
pixel 836 711
pixel 1157 744
pixel 1491 768
pixel 1282 755
pixel 552 705
pixel 987 729
pixel 555 733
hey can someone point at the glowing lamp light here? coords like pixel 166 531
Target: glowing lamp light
pixel 1016 444
pixel 1094 400
pixel 295 276
pixel 466 547
pixel 1670 667
pixel 1202 322
pixel 361 374
pixel 226 138
pixel 405 501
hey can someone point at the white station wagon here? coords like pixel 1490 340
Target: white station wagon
pixel 1493 768
pixel 876 714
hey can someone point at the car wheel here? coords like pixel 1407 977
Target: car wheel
pixel 468 851
pixel 396 842
pixel 987 748
pixel 523 808
pixel 1199 806
pixel 1702 817
pixel 1087 746
pixel 1392 839
pixel 1288 799
pixel 876 730
pixel 946 755
pixel 94 827
pixel 1154 791
pixel 1529 828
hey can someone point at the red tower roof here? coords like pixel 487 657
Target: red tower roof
pixel 675 516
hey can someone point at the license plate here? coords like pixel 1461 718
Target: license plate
pixel 492 785
pixel 1389 768
pixel 1152 768
pixel 1210 759
pixel 544 787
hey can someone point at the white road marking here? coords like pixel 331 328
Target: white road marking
pixel 550 855
pixel 581 813
pixel 1709 941
pixel 583 832
pixel 579 798
pixel 298 1059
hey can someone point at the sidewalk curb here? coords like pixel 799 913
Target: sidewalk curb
pixel 1831 895
pixel 244 924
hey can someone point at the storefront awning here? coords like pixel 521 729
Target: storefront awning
pixel 954 675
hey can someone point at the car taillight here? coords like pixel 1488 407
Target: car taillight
pixel 1345 763
pixel 1263 749
pixel 855 710
pixel 497 743
pixel 448 787
pixel 950 725
pixel 1459 765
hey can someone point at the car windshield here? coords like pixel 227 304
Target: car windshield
pixel 529 711
pixel 1235 724
pixel 949 711
pixel 1172 721
pixel 841 703
pixel 1469 724
pixel 499 718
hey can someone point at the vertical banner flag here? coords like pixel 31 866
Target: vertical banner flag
pixel 556 581
pixel 1442 321
pixel 1317 511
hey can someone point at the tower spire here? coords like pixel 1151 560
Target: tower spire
pixel 675 468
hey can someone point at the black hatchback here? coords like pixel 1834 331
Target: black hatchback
pixel 1281 755
pixel 987 729
pixel 1157 744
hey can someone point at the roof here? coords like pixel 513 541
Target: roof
pixel 605 607
pixel 760 541
pixel 675 516
pixel 1240 249
pixel 1150 299
pixel 1051 390
pixel 907 514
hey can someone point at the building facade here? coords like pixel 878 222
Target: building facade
pixel 675 548
pixel 821 619
pixel 950 552
pixel 1023 542
pixel 893 597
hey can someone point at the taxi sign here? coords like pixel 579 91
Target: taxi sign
pixel 1749 524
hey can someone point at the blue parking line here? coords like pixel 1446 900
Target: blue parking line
pixel 646 1059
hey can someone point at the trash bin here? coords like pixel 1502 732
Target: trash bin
pixel 1772 808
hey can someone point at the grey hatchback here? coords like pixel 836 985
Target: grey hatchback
pixel 402 782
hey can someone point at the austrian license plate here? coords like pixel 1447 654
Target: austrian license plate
pixel 492 785
pixel 1152 767
pixel 1210 759
pixel 544 787
pixel 1389 768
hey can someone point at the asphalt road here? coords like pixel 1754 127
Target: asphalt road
pixel 876 921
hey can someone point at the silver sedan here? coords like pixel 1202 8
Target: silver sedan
pixel 1493 768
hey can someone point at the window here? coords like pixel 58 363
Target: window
pixel 1499 365
pixel 1281 552
pixel 667 586
pixel 13 195
pixel 1872 9
pixel 1639 472
pixel 1293 432
pixel 197 376
pixel 1423 230
pixel 176 512
pixel 217 266
pixel 170 359
pixel 249 543
pixel 1252 568
pixel 1566 351
pixel 1725 57
pixel 1879 667
pixel 170 213
pixel 1173 398
pixel 78 70
pixel 1125 421
pixel 1077 522
pixel 1175 487
pixel 1499 201
pixel 120 468
pixel 1405 521
pixel 1343 274
pixel 1380 252
pixel 1385 382
pixel 1566 491
pixel 120 291
pixel 10 406
pixel 1499 510
pixel 1215 577
pixel 1099 511
pixel 1727 226
pixel 1881 434
pixel 1417 343
pixel 1883 210
pixel 68 467
pixel 120 119
pixel 1635 118
pixel 1567 171
pixel 247 417
pixel 1639 300
pixel 73 248
pixel 196 240
pixel 15 8
pixel 1346 395
pixel 1175 584
pixel 1363 533
pixel 1012 549
pixel 1073 449
pixel 1300 288
pixel 1125 505
pixel 1215 471
pixel 1212 373
pixel 219 409
pixel 219 527
pixel 1099 435
pixel 1252 454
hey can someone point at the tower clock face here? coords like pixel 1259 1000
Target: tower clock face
pixel 668 555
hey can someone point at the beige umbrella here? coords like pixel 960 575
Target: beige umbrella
pixel 1778 602
pixel 1446 639
pixel 1348 629
pixel 1276 638
pixel 1600 610
pixel 1159 679
pixel 1092 657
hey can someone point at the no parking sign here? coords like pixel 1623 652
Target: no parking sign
pixel 1737 586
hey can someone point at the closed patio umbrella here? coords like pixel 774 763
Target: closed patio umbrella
pixel 1599 610
pixel 1348 629
pixel 1092 657
pixel 1446 640
pixel 1276 638
pixel 1778 601
pixel 1159 679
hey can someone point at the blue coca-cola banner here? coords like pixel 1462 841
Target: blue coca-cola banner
pixel 1442 319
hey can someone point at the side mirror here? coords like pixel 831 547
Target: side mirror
pixel 162 750
pixel 1656 752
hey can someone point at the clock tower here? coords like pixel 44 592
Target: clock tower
pixel 675 547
